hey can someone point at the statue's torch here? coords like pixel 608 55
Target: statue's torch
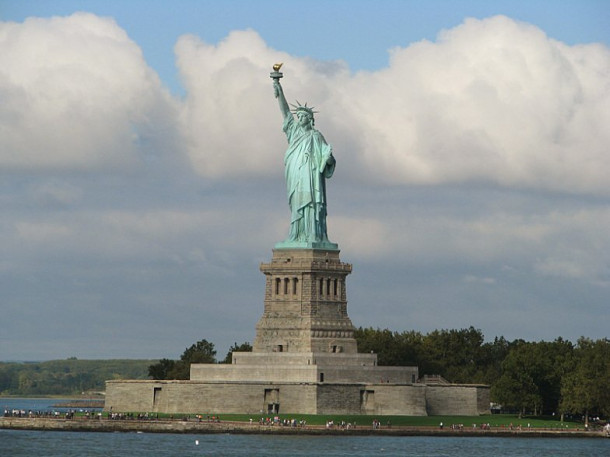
pixel 276 74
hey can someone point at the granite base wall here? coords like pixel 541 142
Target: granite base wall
pixel 288 373
pixel 197 397
pixel 456 399
pixel 205 397
pixel 402 400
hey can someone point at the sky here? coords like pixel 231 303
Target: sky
pixel 141 167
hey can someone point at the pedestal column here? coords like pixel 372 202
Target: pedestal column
pixel 305 303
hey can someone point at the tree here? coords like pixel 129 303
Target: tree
pixel 410 344
pixel 381 342
pixel 555 359
pixel 457 355
pixel 492 356
pixel 201 352
pixel 516 388
pixel 161 369
pixel 531 376
pixel 243 347
pixel 454 354
pixel 584 388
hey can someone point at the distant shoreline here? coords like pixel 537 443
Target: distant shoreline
pixel 196 427
pixel 80 404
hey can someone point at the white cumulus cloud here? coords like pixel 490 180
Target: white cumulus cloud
pixel 491 100
pixel 471 176
pixel 76 94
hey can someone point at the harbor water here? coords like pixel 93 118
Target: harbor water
pixel 17 443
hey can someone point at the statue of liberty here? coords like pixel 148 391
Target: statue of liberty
pixel 308 163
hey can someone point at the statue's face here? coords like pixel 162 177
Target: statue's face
pixel 304 119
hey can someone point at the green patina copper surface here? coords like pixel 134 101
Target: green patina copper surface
pixel 308 163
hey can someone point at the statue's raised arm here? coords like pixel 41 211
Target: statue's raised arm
pixel 279 91
pixel 308 163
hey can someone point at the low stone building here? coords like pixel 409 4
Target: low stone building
pixel 304 360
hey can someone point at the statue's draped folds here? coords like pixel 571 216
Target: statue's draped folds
pixel 308 162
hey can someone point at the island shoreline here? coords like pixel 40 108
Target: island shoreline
pixel 244 428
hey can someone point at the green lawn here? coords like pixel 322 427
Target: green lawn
pixel 494 420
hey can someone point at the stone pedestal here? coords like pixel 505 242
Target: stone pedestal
pixel 305 304
pixel 304 360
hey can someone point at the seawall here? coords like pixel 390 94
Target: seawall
pixel 204 427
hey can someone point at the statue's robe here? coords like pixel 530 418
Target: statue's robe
pixel 308 162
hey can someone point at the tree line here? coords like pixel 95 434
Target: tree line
pixel 537 378
pixel 526 377
pixel 66 377
pixel 543 377
pixel 200 352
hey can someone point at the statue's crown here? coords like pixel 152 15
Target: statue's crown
pixel 298 107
